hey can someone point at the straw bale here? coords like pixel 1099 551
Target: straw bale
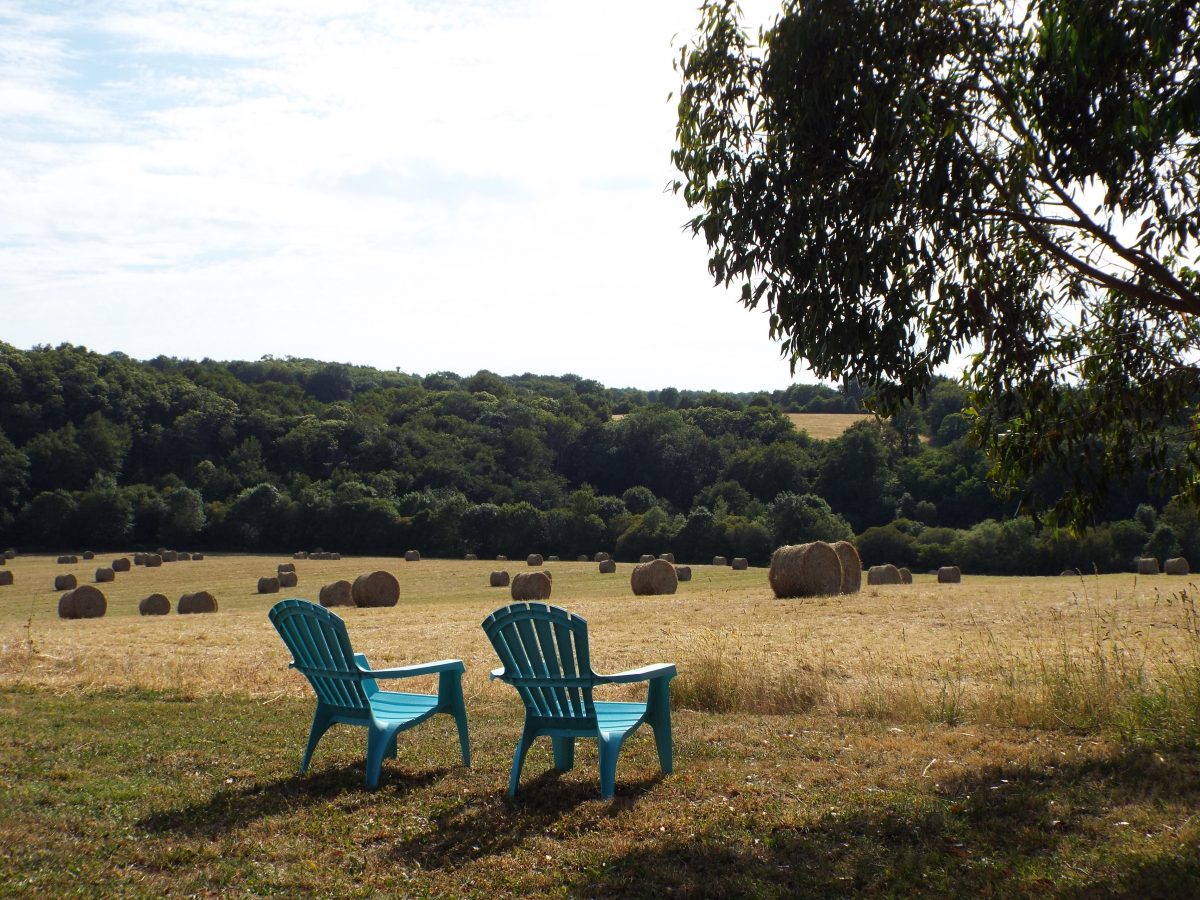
pixel 337 593
pixel 10 553
pixel 851 566
pixel 498 578
pixel 6 577
pixel 949 575
pixel 1071 572
pixel 139 559
pixel 653 577
pixel 300 554
pixel 805 570
pixel 376 589
pixel 531 585
pixel 412 556
pixel 669 557
pixel 65 582
pixel 85 602
pixel 152 561
pixel 886 574
pixel 1176 565
pixel 600 557
pixel 104 574
pixel 288 579
pixel 121 564
pixel 88 554
pixel 268 585
pixel 196 602
pixel 720 561
pixel 608 566
pixel 67 560
pixel 683 573
pixel 170 556
pixel 154 605
pixel 1147 565
pixel 646 557
pixel 500 557
pixel 471 557
pixel 905 575
pixel 196 556
pixel 534 559
pixel 739 564
pixel 335 556
pixel 285 567
pixel 183 556
pixel 551 559
pixel 582 557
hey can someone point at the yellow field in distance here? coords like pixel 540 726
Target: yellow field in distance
pixel 826 426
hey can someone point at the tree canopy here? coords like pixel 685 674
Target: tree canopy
pixel 906 184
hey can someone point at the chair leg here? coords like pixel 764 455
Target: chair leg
pixel 378 742
pixel 528 735
pixel 322 719
pixel 658 703
pixel 609 749
pixel 450 698
pixel 392 750
pixel 564 753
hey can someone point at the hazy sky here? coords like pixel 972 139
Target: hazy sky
pixel 418 184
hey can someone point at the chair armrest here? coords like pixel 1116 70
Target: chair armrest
pixel 429 668
pixel 645 673
pixel 496 673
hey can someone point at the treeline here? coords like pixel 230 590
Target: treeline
pixel 107 452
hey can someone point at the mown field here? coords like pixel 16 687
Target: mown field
pixel 826 426
pixel 999 736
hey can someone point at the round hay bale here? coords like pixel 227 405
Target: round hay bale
pixel 66 560
pixel 268 585
pixel 161 551
pixel 170 556
pixel 1147 565
pixel 582 557
pixel 322 555
pixel 285 567
pixel 139 559
pixel 85 602
pixel 105 574
pixel 1068 572
pixel 65 583
pixel 300 554
pixel 196 556
pixel 608 566
pixel 10 553
pixel 653 577
pixel 683 573
pixel 500 557
pixel 471 557
pixel 1176 565
pixel 851 566
pixel 120 565
pixel 669 557
pixel 376 589
pixel 949 575
pixel 905 575
pixel 88 554
pixel 498 579
pixel 337 593
pixel 335 556
pixel 600 557
pixel 197 602
pixel 887 574
pixel 645 558
pixel 181 556
pixel 531 586
pixel 154 605
pixel 412 556
pixel 739 564
pixel 534 559
pixel 152 561
pixel 6 577
pixel 288 579
pixel 551 559
pixel 720 561
pixel 805 570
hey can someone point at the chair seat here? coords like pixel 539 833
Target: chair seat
pixel 618 716
pixel 395 706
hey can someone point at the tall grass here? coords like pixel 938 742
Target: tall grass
pixel 1111 678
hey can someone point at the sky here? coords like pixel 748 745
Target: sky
pixel 423 185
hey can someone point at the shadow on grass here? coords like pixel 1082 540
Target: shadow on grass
pixel 997 831
pixel 233 807
pixel 494 825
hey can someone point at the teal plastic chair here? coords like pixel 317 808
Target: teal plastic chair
pixel 346 686
pixel 545 654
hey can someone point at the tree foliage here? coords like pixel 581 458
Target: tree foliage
pixel 902 182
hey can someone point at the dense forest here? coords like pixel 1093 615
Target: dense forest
pixel 106 452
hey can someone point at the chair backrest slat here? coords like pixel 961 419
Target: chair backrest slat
pixel 321 651
pixel 544 649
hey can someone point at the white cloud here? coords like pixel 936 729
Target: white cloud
pixel 429 185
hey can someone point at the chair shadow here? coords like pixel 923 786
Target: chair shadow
pixel 495 824
pixel 234 807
